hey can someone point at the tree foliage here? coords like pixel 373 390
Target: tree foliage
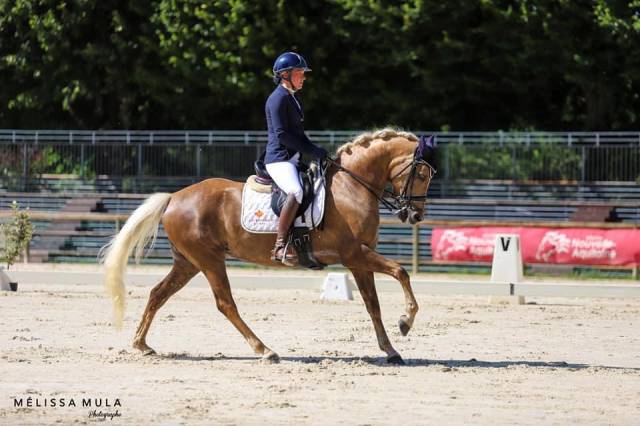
pixel 420 64
pixel 15 234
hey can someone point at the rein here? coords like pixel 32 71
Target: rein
pixel 395 203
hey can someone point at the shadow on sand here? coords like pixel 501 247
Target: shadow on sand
pixel 409 362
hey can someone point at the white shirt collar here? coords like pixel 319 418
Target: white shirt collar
pixel 291 91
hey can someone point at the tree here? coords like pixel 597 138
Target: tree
pixel 418 64
pixel 17 234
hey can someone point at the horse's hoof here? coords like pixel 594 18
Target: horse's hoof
pixel 403 324
pixel 144 350
pixel 396 360
pixel 270 358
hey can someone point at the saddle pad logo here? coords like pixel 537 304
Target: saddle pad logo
pixel 257 216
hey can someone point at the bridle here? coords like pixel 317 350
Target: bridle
pixel 398 204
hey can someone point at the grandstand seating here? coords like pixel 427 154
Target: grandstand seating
pixel 107 184
pixel 440 188
pixel 514 190
pixel 82 240
pixel 35 201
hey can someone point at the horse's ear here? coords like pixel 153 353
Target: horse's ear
pixel 426 150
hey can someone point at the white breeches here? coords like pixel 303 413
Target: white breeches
pixel 285 175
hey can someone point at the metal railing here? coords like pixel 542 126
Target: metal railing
pixel 130 157
pixel 331 137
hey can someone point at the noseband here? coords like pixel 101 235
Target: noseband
pixel 398 204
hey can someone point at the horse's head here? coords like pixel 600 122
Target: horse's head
pixel 410 174
pixel 409 164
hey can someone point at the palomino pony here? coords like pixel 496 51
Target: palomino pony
pixel 202 222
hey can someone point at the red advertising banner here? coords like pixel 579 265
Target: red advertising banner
pixel 578 246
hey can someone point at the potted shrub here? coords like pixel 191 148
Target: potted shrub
pixel 16 233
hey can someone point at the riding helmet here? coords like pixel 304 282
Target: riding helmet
pixel 288 61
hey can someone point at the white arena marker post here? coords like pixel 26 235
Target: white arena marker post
pixel 4 281
pixel 336 286
pixel 507 266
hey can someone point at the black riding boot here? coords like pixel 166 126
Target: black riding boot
pixel 287 216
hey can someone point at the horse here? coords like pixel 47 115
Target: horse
pixel 202 222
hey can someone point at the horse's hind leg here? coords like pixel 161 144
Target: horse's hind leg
pixel 366 285
pixel 180 274
pixel 217 276
pixel 368 259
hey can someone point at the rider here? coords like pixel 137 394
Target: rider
pixel 286 141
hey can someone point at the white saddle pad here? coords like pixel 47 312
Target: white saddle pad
pixel 257 216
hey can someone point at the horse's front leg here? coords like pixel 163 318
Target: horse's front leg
pixel 367 287
pixel 366 259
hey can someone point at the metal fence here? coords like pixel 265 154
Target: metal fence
pixel 324 136
pixel 135 155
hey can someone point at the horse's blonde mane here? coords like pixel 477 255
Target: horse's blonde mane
pixel 384 134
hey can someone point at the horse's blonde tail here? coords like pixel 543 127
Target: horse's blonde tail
pixel 137 232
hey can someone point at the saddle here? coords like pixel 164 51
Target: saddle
pixel 278 196
pixel 299 237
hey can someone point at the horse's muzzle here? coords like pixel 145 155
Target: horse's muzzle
pixel 402 214
pixel 415 217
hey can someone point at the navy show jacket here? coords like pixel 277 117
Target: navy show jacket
pixel 284 124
